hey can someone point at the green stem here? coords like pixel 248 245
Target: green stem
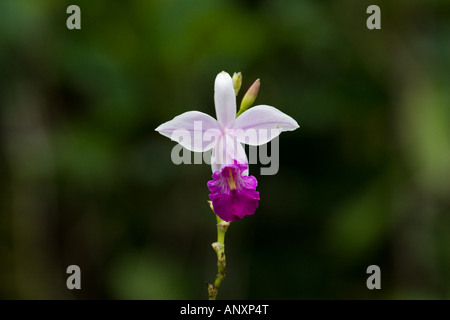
pixel 219 248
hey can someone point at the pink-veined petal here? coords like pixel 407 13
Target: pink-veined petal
pixel 260 124
pixel 225 99
pixel 194 130
pixel 227 151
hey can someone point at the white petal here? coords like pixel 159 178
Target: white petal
pixel 225 99
pixel 194 130
pixel 226 151
pixel 260 124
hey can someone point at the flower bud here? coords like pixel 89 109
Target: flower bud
pixel 249 97
pixel 237 82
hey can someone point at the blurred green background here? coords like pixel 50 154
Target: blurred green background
pixel 86 180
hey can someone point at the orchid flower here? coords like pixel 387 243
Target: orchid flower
pixel 260 124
